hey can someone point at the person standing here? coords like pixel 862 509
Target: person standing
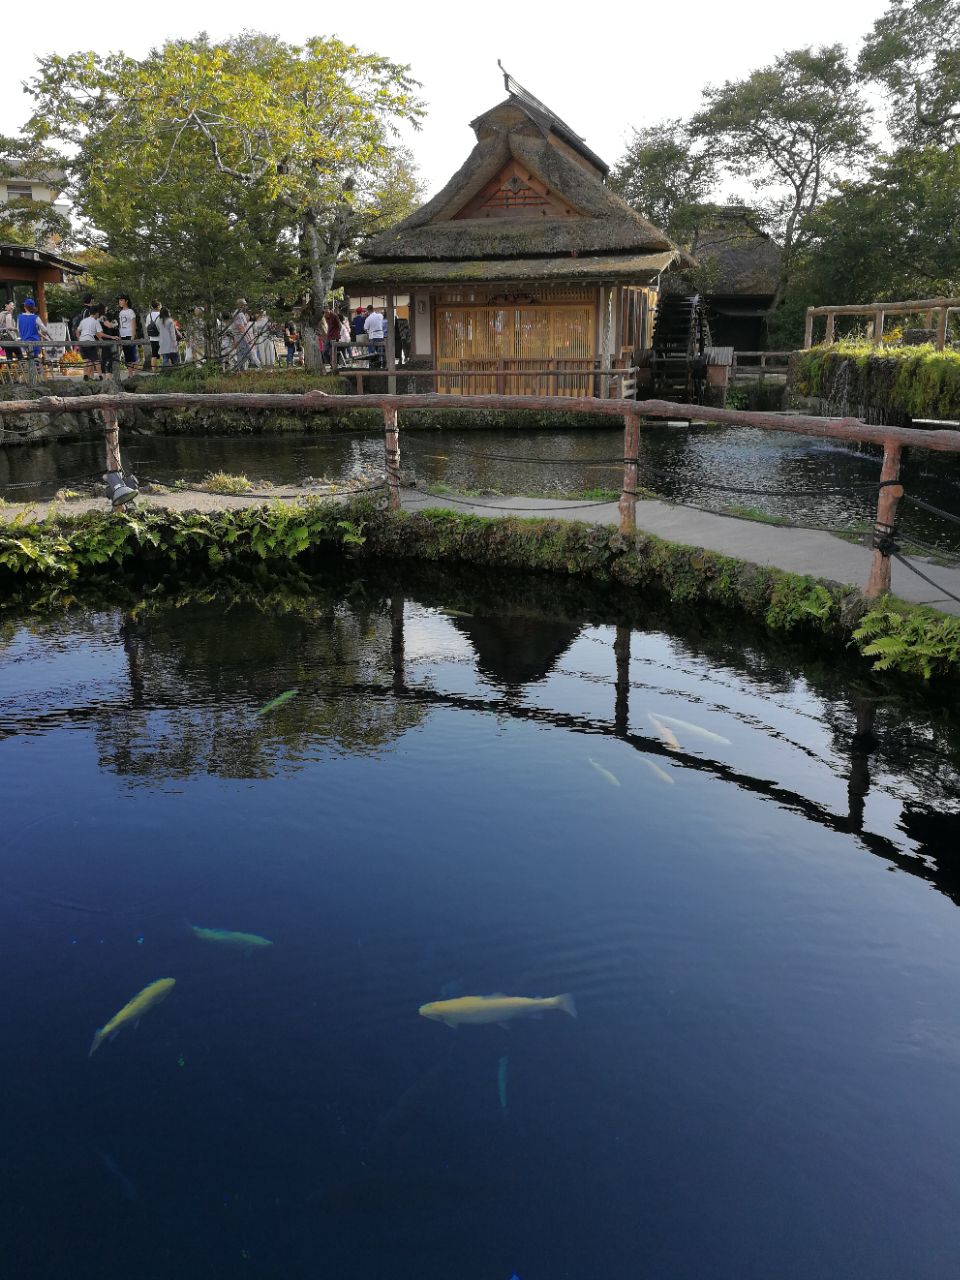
pixel 108 352
pixel 373 327
pixel 356 324
pixel 89 334
pixel 153 333
pixel 9 335
pixel 31 330
pixel 127 332
pixel 241 332
pixel 290 339
pixel 168 341
pixel 263 333
pixel 332 321
pixel 196 336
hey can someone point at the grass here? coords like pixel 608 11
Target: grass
pixel 289 381
pixel 754 513
pixel 223 482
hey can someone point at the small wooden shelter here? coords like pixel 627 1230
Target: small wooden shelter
pixel 526 269
pixel 26 270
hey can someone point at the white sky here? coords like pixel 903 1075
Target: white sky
pixel 601 68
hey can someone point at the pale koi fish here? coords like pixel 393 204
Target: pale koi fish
pixel 686 727
pixel 668 736
pixel 475 1010
pixel 133 1010
pixel 278 701
pixel 605 773
pixel 230 938
pixel 657 771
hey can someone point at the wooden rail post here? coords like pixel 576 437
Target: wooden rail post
pixel 941 328
pixel 891 492
pixel 111 436
pixel 392 451
pixel 631 457
pixel 878 326
pixel 621 710
pixel 808 329
pixel 828 336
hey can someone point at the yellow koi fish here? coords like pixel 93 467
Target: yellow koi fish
pixel 668 736
pixel 605 773
pixel 133 1010
pixel 470 1010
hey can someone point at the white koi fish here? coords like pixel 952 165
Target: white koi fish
pixel 133 1010
pixel 605 773
pixel 668 736
pixel 686 727
pixel 657 771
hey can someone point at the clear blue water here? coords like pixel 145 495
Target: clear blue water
pixel 765 949
pixel 813 481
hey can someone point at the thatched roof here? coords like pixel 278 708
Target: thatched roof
pixel 639 267
pixel 523 133
pixel 739 259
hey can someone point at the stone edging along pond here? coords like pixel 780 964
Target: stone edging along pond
pixel 61 552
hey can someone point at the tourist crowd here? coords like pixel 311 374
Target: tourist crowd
pixel 107 337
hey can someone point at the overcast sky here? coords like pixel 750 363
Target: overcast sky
pixel 602 68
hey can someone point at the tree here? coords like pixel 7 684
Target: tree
pixel 888 236
pixel 914 52
pixel 305 135
pixel 792 129
pixel 664 176
pixel 25 220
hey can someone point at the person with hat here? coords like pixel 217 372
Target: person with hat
pixel 31 329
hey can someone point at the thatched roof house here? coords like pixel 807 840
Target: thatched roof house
pixel 525 263
pixel 737 274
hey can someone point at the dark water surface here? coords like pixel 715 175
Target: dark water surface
pixel 820 482
pixel 468 795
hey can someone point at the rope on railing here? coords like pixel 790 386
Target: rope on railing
pixel 920 574
pixel 928 506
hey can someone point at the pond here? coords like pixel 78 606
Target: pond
pixel 818 482
pixel 737 859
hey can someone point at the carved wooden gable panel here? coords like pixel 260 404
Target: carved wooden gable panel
pixel 516 193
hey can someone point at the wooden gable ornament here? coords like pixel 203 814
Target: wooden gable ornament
pixel 516 193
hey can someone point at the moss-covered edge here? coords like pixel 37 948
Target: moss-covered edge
pixel 57 554
pixel 885 384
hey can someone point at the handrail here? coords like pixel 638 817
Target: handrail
pixel 939 307
pixel 893 439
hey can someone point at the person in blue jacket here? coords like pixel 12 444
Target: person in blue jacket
pixel 31 329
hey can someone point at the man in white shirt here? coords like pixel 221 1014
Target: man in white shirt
pixel 89 334
pixel 373 327
pixel 127 332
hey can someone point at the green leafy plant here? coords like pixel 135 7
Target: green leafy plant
pixel 223 482
pixel 911 641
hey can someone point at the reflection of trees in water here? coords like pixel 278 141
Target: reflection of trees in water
pixel 198 673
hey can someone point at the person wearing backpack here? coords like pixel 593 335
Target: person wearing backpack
pixel 152 330
pixel 87 305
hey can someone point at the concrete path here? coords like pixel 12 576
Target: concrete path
pixel 795 550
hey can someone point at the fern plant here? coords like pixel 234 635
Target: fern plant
pixel 915 642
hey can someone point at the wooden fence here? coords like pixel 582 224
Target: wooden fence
pixel 754 366
pixel 935 312
pixel 892 439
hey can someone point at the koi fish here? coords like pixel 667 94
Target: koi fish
pixel 496 1008
pixel 658 772
pixel 686 727
pixel 668 736
pixel 133 1010
pixel 229 938
pixel 278 701
pixel 605 773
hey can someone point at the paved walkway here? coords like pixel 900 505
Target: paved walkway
pixel 795 550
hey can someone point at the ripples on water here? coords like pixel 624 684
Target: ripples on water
pixel 761 935
pixel 682 464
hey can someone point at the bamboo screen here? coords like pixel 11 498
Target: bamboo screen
pixel 519 341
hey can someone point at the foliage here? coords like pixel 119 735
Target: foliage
pixel 893 383
pixel 223 482
pixel 916 642
pixel 791 128
pixel 283 147
pixel 211 378
pixel 914 52
pixel 665 176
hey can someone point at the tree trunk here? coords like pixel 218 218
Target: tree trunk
pixel 312 356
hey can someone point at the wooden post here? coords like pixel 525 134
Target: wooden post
pixel 941 328
pixel 392 451
pixel 828 336
pixel 631 453
pixel 397 643
pixel 111 435
pixel 890 494
pixel 878 326
pixel 391 348
pixel 808 330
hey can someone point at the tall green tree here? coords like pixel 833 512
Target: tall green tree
pixel 666 176
pixel 25 220
pixel 914 52
pixel 298 140
pixel 793 129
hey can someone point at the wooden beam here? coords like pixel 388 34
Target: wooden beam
pixel 808 330
pixel 391 346
pixel 828 336
pixel 891 308
pixel 941 339
pixel 628 494
pixel 878 326
pixel 392 452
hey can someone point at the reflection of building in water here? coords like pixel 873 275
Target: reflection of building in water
pixel 516 650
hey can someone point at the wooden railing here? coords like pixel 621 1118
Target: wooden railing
pixel 499 378
pixel 935 311
pixel 753 366
pixel 893 439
